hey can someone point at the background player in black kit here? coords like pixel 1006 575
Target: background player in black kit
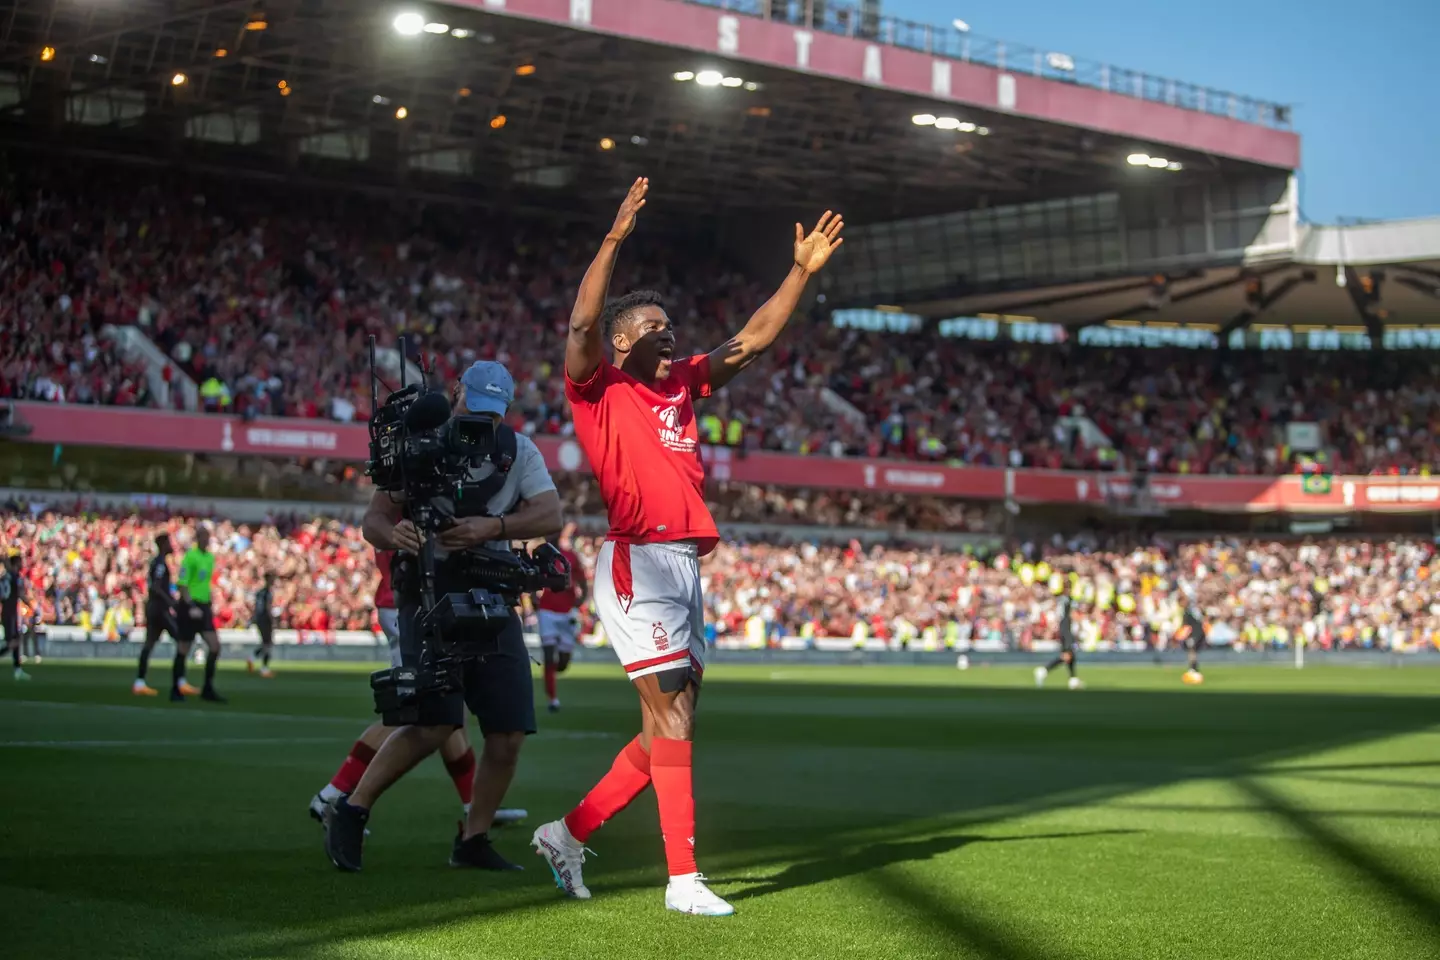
pixel 11 590
pixel 1192 632
pixel 264 621
pixel 1067 647
pixel 159 612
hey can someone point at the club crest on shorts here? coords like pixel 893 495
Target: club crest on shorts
pixel 662 639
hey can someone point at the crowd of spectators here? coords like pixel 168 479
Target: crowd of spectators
pixel 1252 593
pixel 89 569
pixel 747 503
pixel 265 298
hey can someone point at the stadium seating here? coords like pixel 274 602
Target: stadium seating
pixel 265 299
pixel 1333 593
pixel 85 567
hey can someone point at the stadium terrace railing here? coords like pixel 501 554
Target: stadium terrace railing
pixel 1016 57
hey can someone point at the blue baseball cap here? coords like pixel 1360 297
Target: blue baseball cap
pixel 489 388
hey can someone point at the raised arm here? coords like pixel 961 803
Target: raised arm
pixel 760 333
pixel 585 347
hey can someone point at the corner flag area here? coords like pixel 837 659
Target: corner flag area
pixel 885 812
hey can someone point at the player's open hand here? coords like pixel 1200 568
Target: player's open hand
pixel 630 209
pixel 812 251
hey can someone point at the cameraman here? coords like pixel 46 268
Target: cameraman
pixel 497 687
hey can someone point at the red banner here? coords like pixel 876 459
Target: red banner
pixel 1233 494
pixel 739 36
pixel 199 433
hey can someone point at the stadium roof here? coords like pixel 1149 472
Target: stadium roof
pixel 543 102
pixel 1364 276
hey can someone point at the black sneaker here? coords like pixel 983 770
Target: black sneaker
pixel 176 696
pixel 345 834
pixel 209 694
pixel 478 853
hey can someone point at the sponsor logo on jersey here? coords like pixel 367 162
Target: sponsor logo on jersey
pixel 670 433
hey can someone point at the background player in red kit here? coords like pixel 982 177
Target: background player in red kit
pixel 557 613
pixel 635 419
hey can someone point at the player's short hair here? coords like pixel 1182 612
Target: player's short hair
pixel 162 541
pixel 622 308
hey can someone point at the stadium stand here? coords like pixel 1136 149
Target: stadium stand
pixel 268 315
pixel 89 569
pixel 1385 593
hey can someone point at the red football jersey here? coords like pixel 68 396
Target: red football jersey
pixel 643 445
pixel 563 601
pixel 385 593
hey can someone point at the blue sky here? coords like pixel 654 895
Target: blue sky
pixel 1362 76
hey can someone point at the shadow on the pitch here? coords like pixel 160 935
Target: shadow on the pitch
pixel 1353 812
pixel 1284 772
pixel 1420 903
pixel 877 856
pixel 951 919
pixel 1342 767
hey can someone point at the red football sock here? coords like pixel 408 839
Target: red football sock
pixel 629 774
pixel 350 772
pixel 670 769
pixel 550 680
pixel 462 771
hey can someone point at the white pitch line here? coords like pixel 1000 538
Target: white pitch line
pixel 189 715
pixel 542 737
pixel 157 742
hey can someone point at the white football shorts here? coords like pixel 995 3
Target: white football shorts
pixel 390 625
pixel 557 630
pixel 650 604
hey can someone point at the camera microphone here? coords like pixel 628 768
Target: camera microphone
pixel 431 410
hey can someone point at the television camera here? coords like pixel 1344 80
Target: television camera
pixel 423 454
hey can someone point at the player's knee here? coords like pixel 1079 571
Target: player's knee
pixel 503 749
pixel 562 662
pixel 547 652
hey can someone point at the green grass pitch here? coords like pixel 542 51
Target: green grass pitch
pixel 869 812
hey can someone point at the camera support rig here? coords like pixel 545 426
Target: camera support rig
pixel 420 451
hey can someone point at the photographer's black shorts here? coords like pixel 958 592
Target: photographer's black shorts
pixel 498 688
